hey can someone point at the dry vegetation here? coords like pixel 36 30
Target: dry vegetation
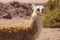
pixel 52 17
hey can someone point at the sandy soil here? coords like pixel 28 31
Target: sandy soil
pixel 15 23
pixel 49 34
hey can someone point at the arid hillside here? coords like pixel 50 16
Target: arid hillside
pixel 15 9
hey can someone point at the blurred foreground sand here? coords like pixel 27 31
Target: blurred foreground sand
pixel 49 34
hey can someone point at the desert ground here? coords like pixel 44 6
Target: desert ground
pixel 49 34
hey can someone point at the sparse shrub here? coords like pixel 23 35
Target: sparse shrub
pixel 53 4
pixel 52 19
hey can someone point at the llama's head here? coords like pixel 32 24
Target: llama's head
pixel 37 10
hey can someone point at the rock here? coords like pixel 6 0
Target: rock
pixel 15 4
pixel 7 16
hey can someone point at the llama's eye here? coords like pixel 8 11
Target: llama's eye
pixel 38 9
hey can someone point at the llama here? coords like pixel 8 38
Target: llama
pixel 37 11
pixel 35 23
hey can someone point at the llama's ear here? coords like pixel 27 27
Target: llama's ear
pixel 33 6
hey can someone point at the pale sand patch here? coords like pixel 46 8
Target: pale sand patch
pixel 19 23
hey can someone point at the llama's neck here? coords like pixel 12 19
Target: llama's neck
pixel 33 18
pixel 34 15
